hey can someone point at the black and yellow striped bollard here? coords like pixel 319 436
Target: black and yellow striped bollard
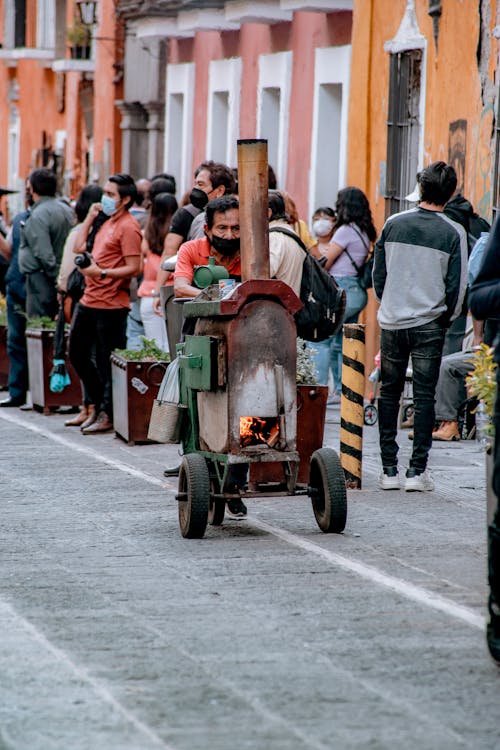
pixel 352 403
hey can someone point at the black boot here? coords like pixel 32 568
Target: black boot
pixel 493 629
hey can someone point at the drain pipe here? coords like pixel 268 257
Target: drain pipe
pixel 254 219
pixel 351 404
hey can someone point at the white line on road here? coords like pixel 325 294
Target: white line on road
pixel 368 572
pixel 10 618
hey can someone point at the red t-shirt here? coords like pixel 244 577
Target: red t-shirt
pixel 117 239
pixel 196 253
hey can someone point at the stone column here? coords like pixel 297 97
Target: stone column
pixel 156 135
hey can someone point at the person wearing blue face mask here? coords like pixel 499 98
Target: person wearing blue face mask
pixel 100 321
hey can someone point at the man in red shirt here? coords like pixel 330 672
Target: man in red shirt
pixel 221 241
pixel 100 321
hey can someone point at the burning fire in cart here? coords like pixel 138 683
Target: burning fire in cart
pixel 237 377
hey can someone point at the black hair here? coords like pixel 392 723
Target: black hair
pixel 219 206
pixel 272 182
pixel 352 207
pixel 88 195
pixel 437 183
pixel 163 207
pixel 325 210
pixel 169 183
pixel 126 188
pixel 220 174
pixel 276 203
pixel 161 185
pixel 43 182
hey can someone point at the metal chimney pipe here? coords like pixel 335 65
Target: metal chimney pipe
pixel 254 221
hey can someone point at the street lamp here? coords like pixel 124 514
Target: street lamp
pixel 87 11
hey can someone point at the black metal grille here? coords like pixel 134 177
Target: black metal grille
pixel 403 128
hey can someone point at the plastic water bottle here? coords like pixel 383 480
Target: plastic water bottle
pixel 482 425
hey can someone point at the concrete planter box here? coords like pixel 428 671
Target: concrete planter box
pixel 4 360
pixel 135 387
pixel 40 345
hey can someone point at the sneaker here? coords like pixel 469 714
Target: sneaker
pixel 493 632
pixel 389 478
pixel 418 481
pixel 237 508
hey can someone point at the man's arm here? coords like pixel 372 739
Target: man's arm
pixel 37 239
pixel 379 267
pixel 484 297
pixel 130 268
pixel 456 280
pixel 183 288
pixel 5 247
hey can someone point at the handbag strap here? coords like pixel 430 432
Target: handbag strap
pixel 357 268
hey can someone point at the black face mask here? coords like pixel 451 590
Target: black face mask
pixel 225 247
pixel 198 198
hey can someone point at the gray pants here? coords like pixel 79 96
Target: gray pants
pixel 41 295
pixel 450 391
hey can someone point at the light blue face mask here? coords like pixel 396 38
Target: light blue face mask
pixel 108 205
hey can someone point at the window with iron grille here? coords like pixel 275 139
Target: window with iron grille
pixel 403 128
pixel 14 24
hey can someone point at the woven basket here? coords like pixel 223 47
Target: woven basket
pixel 165 423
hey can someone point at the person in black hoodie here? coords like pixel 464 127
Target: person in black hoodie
pixel 484 300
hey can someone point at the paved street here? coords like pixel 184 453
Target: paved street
pixel 117 634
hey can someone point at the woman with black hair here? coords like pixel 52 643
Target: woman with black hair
pixel 345 252
pixel 163 207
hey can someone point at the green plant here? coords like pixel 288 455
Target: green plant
pixel 481 382
pixel 306 372
pixel 44 322
pixel 78 35
pixel 148 352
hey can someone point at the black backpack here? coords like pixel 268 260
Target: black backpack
pixel 323 299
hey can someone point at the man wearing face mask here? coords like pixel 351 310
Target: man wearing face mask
pixel 221 241
pixel 211 180
pixel 100 320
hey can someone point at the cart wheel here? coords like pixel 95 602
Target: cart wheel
pixel 194 484
pixel 327 490
pixel 370 414
pixel 216 511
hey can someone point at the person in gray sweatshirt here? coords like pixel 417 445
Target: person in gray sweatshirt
pixel 420 279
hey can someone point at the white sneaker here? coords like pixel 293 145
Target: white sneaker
pixel 389 478
pixel 418 482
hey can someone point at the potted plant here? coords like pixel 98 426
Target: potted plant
pixel 136 376
pixel 40 345
pixel 311 413
pixel 79 37
pixel 481 384
pixel 4 360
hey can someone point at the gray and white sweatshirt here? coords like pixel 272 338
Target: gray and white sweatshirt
pixel 420 269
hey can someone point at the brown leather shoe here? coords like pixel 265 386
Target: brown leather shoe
pixel 102 424
pixel 447 432
pixel 92 416
pixel 80 418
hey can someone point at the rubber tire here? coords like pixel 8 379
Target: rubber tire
pixel 194 480
pixel 370 414
pixel 216 512
pixel 329 500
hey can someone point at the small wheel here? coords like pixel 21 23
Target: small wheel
pixel 370 414
pixel 216 512
pixel 327 491
pixel 194 484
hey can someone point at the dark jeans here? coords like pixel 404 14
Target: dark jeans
pixel 494 528
pixel 425 345
pixel 97 331
pixel 41 295
pixel 16 346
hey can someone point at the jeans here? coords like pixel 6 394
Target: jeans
pixel 494 528
pixel 425 345
pixel 328 354
pixel 135 328
pixel 101 331
pixel 16 346
pixel 450 391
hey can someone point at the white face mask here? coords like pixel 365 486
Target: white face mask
pixel 322 227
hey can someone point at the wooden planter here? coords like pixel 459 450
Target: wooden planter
pixel 135 387
pixel 311 413
pixel 4 360
pixel 40 345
